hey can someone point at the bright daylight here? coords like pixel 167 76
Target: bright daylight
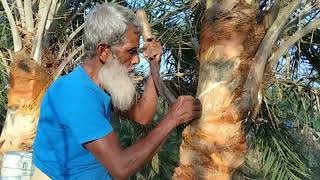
pixel 160 89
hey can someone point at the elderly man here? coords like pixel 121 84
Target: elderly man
pixel 75 139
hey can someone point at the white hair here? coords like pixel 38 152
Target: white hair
pixel 108 23
pixel 116 80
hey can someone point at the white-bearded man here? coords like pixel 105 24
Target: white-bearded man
pixel 75 139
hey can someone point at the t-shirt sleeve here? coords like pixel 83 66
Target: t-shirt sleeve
pixel 85 115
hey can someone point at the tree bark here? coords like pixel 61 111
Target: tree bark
pixel 28 14
pixel 213 147
pixel 30 76
pixel 44 8
pixel 28 82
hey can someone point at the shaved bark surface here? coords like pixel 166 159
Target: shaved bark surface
pixel 214 146
pixel 28 82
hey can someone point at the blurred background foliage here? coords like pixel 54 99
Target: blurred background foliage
pixel 5 42
pixel 284 138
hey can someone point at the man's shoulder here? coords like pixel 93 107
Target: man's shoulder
pixel 76 84
pixel 72 81
pixel 65 88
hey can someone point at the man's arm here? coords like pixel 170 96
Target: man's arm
pixel 142 112
pixel 122 163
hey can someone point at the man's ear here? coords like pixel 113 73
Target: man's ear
pixel 104 53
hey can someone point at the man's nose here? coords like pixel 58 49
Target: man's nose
pixel 135 60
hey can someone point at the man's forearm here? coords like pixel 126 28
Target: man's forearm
pixel 142 152
pixel 122 163
pixel 144 110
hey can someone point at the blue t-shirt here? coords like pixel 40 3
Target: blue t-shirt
pixel 74 111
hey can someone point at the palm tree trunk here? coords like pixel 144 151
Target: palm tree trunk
pixel 213 147
pixel 28 78
pixel 28 81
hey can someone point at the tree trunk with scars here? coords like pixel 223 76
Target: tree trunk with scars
pixel 28 82
pixel 29 78
pixel 214 146
pixel 234 51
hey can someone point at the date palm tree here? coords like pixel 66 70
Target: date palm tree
pixel 46 37
pixel 236 54
pixel 240 45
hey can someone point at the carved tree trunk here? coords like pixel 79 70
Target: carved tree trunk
pixel 29 70
pixel 214 146
pixel 28 82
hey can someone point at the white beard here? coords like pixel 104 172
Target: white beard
pixel 116 80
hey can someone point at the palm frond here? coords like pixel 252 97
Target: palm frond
pixel 5 43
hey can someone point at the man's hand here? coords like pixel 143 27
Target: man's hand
pixel 152 50
pixel 122 163
pixel 184 110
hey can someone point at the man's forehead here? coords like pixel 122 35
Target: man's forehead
pixel 132 38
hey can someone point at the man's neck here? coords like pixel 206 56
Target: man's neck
pixel 92 67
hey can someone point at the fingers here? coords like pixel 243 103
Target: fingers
pixel 196 114
pixel 197 102
pixel 186 109
pixel 151 39
pixel 197 107
pixel 190 99
pixel 191 116
pixel 186 98
pixel 152 50
pixel 192 108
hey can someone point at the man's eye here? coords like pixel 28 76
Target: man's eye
pixel 133 52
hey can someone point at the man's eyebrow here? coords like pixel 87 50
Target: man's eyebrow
pixel 135 49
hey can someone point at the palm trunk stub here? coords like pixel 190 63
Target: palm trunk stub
pixel 28 82
pixel 214 146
